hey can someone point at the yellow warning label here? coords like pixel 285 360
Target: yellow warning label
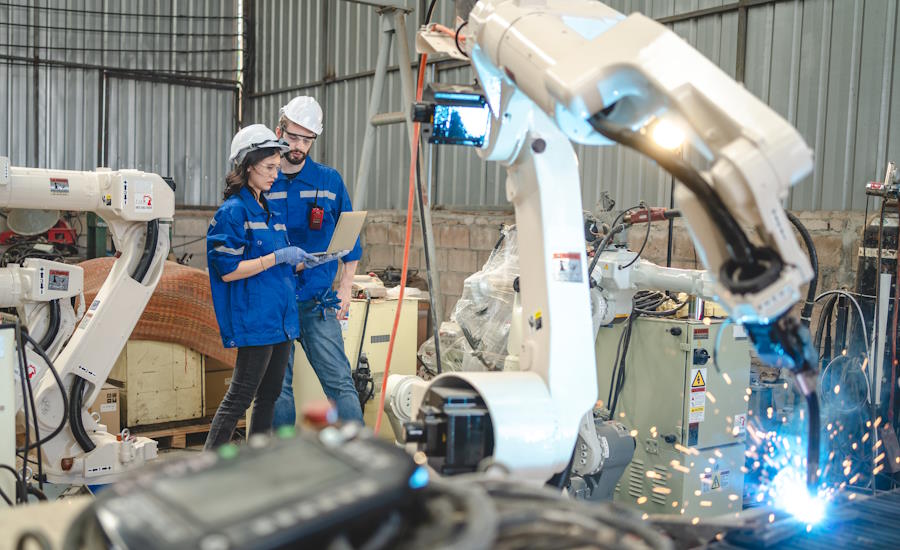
pixel 715 482
pixel 537 314
pixel 698 382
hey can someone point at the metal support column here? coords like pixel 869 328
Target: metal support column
pixel 392 21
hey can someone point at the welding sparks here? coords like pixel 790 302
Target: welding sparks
pixel 791 495
pixel 726 378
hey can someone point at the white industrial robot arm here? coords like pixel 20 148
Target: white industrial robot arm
pixel 603 77
pixel 43 292
pixel 559 70
pixel 618 275
pixel 138 208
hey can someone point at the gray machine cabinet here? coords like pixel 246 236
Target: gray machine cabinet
pixel 689 417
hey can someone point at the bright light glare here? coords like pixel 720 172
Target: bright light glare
pixel 791 495
pixel 667 134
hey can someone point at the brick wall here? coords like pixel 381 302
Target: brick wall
pixel 464 241
pixel 836 235
pixel 189 235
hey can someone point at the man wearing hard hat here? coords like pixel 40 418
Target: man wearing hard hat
pixel 313 196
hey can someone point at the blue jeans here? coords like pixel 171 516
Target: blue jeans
pixel 324 347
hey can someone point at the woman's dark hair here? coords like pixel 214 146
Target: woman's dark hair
pixel 240 175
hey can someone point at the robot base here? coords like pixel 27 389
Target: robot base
pixel 110 460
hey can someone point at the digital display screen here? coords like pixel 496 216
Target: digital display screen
pixel 253 485
pixel 460 124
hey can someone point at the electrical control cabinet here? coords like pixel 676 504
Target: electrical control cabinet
pixel 687 413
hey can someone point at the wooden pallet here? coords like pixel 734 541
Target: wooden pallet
pixel 175 435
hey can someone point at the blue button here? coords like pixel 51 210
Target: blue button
pixel 419 478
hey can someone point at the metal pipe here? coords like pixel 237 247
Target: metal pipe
pixel 151 76
pixel 386 119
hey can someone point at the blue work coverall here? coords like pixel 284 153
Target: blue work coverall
pixel 316 185
pixel 257 314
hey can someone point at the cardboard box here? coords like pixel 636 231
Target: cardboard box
pixel 163 382
pixel 107 406
pixel 216 385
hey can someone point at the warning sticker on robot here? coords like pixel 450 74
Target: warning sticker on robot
pixel 59 280
pixel 85 321
pixel 59 186
pixel 566 267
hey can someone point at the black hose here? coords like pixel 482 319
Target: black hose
pixel 561 479
pixel 23 379
pixel 432 292
pixel 362 335
pixel 739 246
pixel 812 445
pixel 601 246
pixel 76 399
pixel 53 327
pixel 37 492
pixel 825 318
pixel 37 433
pixel 806 312
pixel 146 260
pixel 62 388
pixel 21 488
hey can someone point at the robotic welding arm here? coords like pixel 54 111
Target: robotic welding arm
pixel 138 208
pixel 555 71
pixel 617 276
pixel 605 78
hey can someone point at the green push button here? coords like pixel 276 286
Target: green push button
pixel 228 451
pixel 286 432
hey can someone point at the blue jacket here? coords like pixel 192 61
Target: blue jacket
pixel 315 184
pixel 261 309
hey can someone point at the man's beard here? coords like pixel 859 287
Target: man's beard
pixel 292 157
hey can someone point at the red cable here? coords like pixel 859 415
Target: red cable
pixel 414 157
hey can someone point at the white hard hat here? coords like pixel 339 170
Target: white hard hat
pixel 253 137
pixel 305 111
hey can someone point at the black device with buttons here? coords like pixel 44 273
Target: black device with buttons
pixel 274 492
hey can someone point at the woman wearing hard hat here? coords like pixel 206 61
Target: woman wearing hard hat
pixel 251 274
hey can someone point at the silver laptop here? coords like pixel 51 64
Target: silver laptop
pixel 345 233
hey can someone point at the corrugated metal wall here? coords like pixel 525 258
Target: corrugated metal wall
pixel 826 65
pixel 148 85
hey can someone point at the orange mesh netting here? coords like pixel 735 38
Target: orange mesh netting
pixel 180 310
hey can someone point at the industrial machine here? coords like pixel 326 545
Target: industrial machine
pixel 556 71
pixel 246 497
pixel 138 208
pixel 687 412
pixel 366 337
pixel 49 299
